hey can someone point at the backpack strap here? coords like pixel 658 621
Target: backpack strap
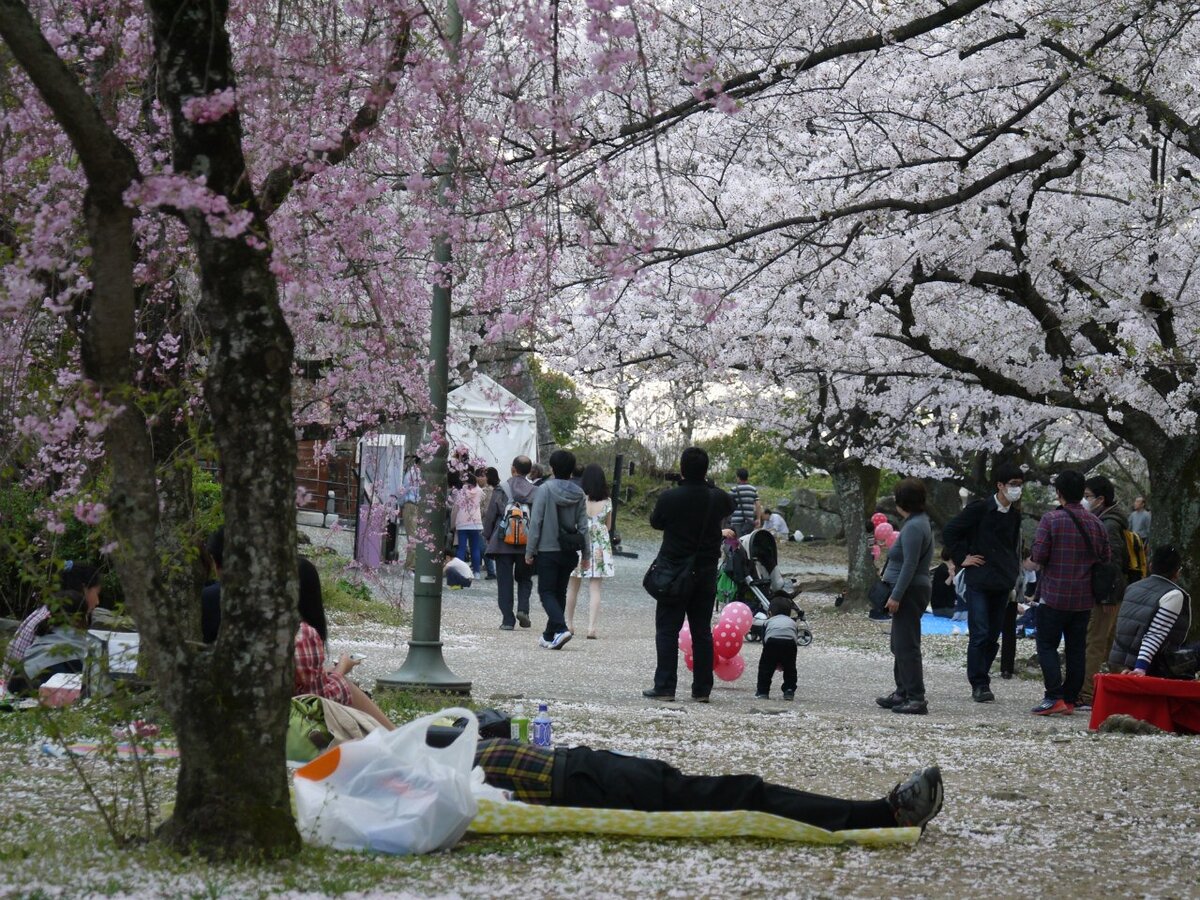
pixel 1087 540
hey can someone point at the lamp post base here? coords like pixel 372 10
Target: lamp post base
pixel 424 670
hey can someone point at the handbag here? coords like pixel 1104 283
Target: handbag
pixel 673 581
pixel 1104 575
pixel 390 792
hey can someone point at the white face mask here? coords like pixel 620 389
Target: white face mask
pixel 1013 494
pixel 1086 503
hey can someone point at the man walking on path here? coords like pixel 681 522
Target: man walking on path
pixel 1139 519
pixel 1099 498
pixel 509 558
pixel 689 516
pixel 559 509
pixel 984 541
pixel 1067 543
pixel 747 508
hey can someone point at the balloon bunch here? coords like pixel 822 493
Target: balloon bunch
pixel 885 535
pixel 728 635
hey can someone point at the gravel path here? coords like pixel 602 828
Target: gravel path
pixel 1032 805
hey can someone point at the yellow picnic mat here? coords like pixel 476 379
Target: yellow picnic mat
pixel 526 818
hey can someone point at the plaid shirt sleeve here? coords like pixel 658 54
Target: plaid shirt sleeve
pixel 311 675
pixel 22 639
pixel 524 769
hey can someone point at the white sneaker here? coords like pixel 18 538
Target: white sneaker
pixel 559 639
pixel 545 644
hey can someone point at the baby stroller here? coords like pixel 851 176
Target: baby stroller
pixel 750 574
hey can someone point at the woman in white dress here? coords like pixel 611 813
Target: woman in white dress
pixel 600 564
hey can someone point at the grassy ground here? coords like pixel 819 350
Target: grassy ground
pixel 1033 807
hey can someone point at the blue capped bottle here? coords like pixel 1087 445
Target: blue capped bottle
pixel 540 727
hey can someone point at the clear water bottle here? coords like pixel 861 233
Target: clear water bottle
pixel 541 727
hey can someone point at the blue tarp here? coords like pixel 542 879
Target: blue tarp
pixel 931 624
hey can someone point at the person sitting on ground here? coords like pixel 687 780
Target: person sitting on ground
pixel 53 639
pixel 600 779
pixel 779 649
pixel 1154 618
pixel 943 597
pixel 75 578
pixel 311 675
pixel 775 524
pixel 457 573
pixel 210 596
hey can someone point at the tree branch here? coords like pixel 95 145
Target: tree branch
pixel 279 183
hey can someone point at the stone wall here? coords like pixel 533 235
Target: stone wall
pixel 814 513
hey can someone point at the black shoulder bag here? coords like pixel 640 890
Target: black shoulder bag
pixel 673 581
pixel 1104 574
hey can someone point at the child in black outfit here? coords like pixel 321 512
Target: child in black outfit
pixel 779 649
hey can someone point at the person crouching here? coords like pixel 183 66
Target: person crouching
pixel 779 649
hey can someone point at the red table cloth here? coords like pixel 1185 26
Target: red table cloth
pixel 1171 704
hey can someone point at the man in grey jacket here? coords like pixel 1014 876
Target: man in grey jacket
pixel 510 557
pixel 559 512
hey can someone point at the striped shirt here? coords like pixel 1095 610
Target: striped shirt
pixel 745 497
pixel 524 769
pixel 1066 560
pixel 21 641
pixel 1169 608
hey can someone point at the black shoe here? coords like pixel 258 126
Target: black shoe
pixel 912 708
pixel 915 801
pixel 891 701
pixel 762 696
pixel 982 695
pixel 696 698
pixel 489 577
pixel 652 694
pixel 523 619
pixel 1007 676
pixel 789 695
pixel 506 628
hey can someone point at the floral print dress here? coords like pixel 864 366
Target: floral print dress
pixel 601 543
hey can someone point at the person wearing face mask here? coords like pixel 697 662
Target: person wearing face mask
pixel 1099 498
pixel 984 541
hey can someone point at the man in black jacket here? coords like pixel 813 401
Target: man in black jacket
pixel 689 516
pixel 985 542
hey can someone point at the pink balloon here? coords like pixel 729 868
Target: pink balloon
pixel 685 640
pixel 730 669
pixel 882 530
pixel 735 610
pixel 689 661
pixel 875 551
pixel 878 519
pixel 891 539
pixel 727 641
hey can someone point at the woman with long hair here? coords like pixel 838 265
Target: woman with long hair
pixel 312 677
pixel 599 565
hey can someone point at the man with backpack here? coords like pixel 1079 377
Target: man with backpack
pixel 558 533
pixel 506 530
pixel 1099 498
pixel 984 541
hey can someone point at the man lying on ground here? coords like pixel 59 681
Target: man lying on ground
pixel 582 777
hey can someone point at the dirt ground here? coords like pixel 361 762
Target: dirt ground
pixel 1034 807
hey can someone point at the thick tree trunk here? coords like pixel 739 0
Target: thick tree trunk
pixel 856 486
pixel 1174 467
pixel 229 703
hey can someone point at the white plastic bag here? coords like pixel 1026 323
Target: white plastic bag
pixel 390 792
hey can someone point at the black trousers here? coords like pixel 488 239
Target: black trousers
pixel 554 568
pixel 603 780
pixel 510 568
pixel 1008 640
pixel 668 620
pixel 775 652
pixel 906 643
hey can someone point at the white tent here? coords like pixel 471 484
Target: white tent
pixel 492 422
